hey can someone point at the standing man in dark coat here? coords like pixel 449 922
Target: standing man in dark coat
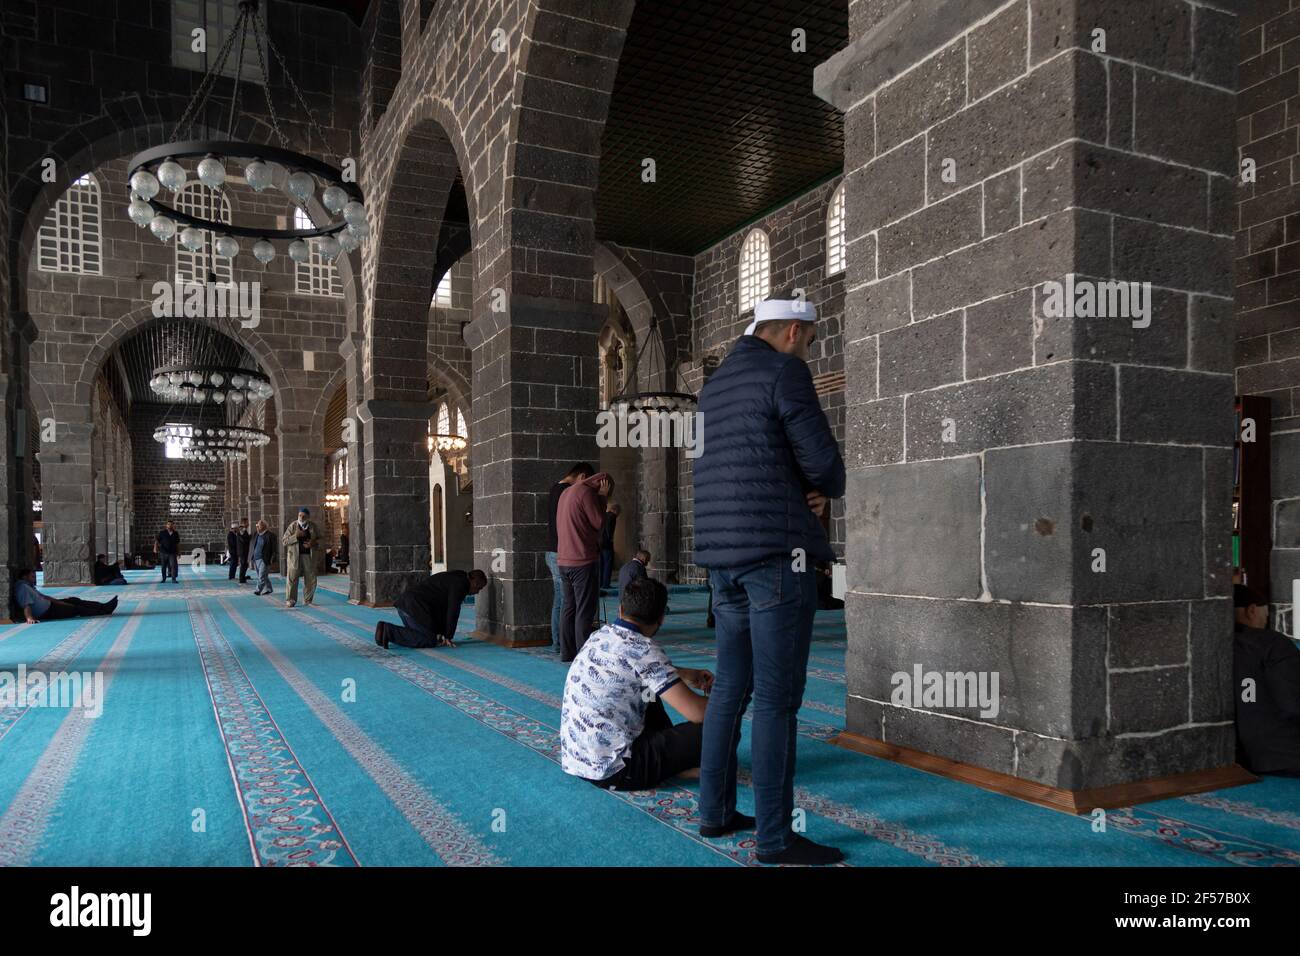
pixel 769 466
pixel 168 547
pixel 232 548
pixel 244 539
pixel 430 610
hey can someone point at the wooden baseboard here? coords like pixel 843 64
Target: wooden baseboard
pixel 1067 801
pixel 507 642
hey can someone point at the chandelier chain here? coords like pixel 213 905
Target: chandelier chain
pixel 284 67
pixel 200 97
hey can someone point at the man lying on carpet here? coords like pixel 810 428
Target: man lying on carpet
pixel 430 609
pixel 1268 708
pixel 614 730
pixel 105 573
pixel 37 607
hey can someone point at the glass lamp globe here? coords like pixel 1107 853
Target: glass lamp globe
pixel 145 183
pixel 328 247
pixel 238 380
pixel 299 251
pixel 191 238
pixel 216 378
pixel 162 228
pixel 140 212
pixel 263 251
pixel 218 397
pixel 334 198
pixel 237 397
pixel 258 175
pixel 211 172
pixel 172 175
pixel 174 378
pixel 347 241
pixel 360 230
pixel 227 247
pixel 200 394
pixel 354 212
pixel 194 378
pixel 300 186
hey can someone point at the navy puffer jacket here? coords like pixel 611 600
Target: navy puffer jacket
pixel 766 443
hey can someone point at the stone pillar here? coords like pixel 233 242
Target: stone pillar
pixel 395 453
pixel 357 559
pixel 1036 498
pixel 110 527
pixel 68 504
pixel 302 483
pixel 101 516
pixel 535 397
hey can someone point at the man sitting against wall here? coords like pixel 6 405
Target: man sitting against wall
pixel 1266 684
pixel 36 607
pixel 105 573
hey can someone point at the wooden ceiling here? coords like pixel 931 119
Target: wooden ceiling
pixel 715 94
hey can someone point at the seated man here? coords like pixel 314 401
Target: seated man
pixel 636 568
pixel 614 730
pixel 1268 709
pixel 430 609
pixel 37 607
pixel 105 573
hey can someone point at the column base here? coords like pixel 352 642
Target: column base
pixel 1076 802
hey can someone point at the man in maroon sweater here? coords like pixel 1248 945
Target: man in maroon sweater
pixel 578 522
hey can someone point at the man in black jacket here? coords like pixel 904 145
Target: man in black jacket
pixel 430 609
pixel 244 539
pixel 168 547
pixel 769 466
pixel 1266 682
pixel 232 547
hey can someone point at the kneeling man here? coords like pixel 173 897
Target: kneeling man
pixel 614 730
pixel 430 609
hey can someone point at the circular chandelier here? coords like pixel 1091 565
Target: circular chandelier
pixel 298 175
pixel 197 382
pixel 192 486
pixel 337 500
pixel 448 443
pixel 185 510
pixel 187 498
pixel 651 401
pixel 221 443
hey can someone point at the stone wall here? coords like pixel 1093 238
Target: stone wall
pixel 1268 261
pixel 154 473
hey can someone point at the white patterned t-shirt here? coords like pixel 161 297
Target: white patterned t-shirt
pixel 611 681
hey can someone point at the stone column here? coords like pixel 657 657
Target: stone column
pixel 302 478
pixel 68 504
pixel 1037 498
pixel 101 516
pixel 535 398
pixel 357 558
pixel 110 527
pixel 395 456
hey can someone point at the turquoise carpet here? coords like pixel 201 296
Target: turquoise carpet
pixel 237 732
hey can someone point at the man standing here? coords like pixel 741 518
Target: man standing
pixel 232 548
pixel 244 539
pixel 300 541
pixel 578 522
pixel 577 473
pixel 430 610
pixel 769 466
pixel 607 543
pixel 263 549
pixel 168 546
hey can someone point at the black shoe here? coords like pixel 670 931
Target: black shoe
pixel 381 634
pixel 738 821
pixel 710 622
pixel 110 606
pixel 803 852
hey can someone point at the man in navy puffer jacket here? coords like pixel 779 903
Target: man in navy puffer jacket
pixel 768 468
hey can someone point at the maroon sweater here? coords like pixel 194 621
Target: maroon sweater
pixel 578 522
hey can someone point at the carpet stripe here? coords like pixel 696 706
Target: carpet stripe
pixel 453 841
pixel 1201 840
pixel 57 658
pixel 677 809
pixel 27 817
pixel 1251 811
pixel 277 797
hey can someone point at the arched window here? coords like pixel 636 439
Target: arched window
pixel 835 239
pixel 316 276
pixel 442 295
pixel 202 202
pixel 613 364
pixel 461 428
pixel 439 535
pixel 69 239
pixel 755 270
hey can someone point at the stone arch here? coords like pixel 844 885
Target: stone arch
pixel 641 298
pixel 402 258
pixel 338 379
pixel 540 214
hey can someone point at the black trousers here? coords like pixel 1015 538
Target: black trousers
pixel 581 592
pixel 663 750
pixel 75 607
pixel 418 632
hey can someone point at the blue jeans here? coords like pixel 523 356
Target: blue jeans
pixel 764 616
pixel 557 599
pixel 263 576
